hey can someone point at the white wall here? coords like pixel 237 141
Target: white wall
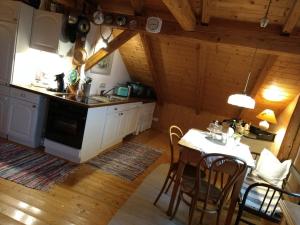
pixel 118 75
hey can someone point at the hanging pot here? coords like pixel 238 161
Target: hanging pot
pixel 80 56
pixel 83 26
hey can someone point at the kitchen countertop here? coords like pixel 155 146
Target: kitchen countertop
pixel 73 99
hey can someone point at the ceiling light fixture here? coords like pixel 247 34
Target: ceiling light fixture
pixel 265 21
pixel 273 94
pixel 242 99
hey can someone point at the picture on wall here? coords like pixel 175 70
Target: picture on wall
pixel 103 67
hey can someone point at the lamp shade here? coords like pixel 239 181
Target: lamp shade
pixel 267 115
pixel 241 100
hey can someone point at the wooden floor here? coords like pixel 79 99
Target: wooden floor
pixel 87 197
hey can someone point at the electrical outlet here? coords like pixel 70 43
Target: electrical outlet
pixel 102 85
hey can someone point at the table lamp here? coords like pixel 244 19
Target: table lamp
pixel 266 116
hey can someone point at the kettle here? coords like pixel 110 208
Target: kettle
pixel 59 78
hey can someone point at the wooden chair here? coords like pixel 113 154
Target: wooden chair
pixel 222 172
pixel 175 134
pixel 261 199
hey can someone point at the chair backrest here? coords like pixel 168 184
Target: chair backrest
pixel 223 171
pixel 175 134
pixel 262 199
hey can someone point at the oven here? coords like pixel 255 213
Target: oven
pixel 66 123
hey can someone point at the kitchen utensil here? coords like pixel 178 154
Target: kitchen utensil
pixel 79 56
pixel 98 17
pixel 108 19
pixel 73 77
pixel 120 20
pixel 59 78
pixel 83 25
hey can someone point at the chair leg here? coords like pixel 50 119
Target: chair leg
pixel 192 210
pixel 172 178
pixel 163 187
pixel 218 217
pixel 176 206
pixel 238 217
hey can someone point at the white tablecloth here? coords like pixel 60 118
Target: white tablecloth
pixel 199 140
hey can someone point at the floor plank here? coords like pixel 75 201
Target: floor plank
pixel 88 196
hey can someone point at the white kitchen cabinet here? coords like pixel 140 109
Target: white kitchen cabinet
pixel 22 120
pixel 146 116
pixel 25 117
pixel 9 11
pixel 111 134
pixel 121 120
pixel 7 49
pixel 46 30
pixel 4 104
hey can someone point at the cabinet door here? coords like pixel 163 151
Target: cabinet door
pixel 22 120
pixel 111 130
pixel 7 49
pixel 46 29
pixel 9 10
pixel 4 103
pixel 132 119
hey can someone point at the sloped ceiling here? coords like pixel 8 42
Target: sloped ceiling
pixel 203 79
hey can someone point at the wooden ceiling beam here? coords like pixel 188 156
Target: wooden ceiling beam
pixel 232 33
pixel 205 12
pixel 138 6
pixel 202 58
pixel 152 67
pixel 116 43
pixel 182 11
pixel 292 18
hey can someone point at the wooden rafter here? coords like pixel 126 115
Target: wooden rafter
pixel 260 79
pixel 262 76
pixel 205 12
pixel 116 43
pixel 233 33
pixel 138 6
pixel 67 3
pixel 293 18
pixel 202 58
pixel 153 69
pixel 182 11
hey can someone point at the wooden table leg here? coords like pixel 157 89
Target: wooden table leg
pixel 234 197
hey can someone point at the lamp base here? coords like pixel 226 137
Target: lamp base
pixel 264 125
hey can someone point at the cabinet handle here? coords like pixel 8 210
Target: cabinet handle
pixel 33 106
pixel 116 108
pixel 121 114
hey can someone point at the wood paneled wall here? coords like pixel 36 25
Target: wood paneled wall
pixel 184 117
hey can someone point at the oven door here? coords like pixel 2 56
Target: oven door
pixel 66 123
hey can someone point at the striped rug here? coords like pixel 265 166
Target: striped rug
pixel 127 161
pixel 32 168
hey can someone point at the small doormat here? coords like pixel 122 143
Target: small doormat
pixel 127 161
pixel 32 168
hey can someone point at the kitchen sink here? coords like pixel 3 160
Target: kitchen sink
pixel 109 98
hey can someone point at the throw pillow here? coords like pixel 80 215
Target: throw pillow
pixel 271 169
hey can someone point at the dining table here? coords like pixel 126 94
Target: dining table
pixel 199 140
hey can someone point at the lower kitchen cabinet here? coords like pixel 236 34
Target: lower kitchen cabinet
pixel 146 116
pixel 4 103
pixel 111 131
pixel 121 120
pixel 25 118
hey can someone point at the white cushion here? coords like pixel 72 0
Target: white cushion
pixel 271 169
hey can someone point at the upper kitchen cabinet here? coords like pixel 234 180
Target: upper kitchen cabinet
pixel 46 30
pixel 7 48
pixel 9 11
pixel 15 27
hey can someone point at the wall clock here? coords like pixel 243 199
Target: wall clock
pixel 153 24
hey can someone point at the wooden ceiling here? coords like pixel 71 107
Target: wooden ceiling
pixel 204 51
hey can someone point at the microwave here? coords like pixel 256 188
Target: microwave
pixel 122 91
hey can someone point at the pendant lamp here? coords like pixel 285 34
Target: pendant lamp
pixel 242 99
